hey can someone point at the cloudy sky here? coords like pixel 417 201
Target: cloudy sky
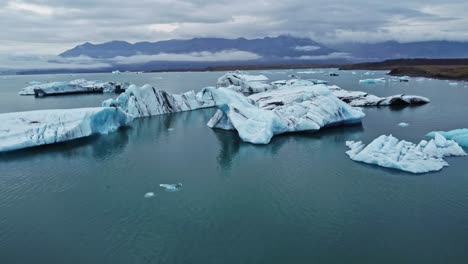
pixel 48 27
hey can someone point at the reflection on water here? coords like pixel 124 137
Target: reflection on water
pixel 231 144
pixel 97 146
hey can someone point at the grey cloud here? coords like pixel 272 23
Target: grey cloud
pixel 57 25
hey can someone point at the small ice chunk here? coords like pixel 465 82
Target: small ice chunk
pixel 149 195
pixel 453 84
pixel 171 187
pixel 403 124
pixel 372 81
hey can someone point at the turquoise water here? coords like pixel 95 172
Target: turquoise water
pixel 299 199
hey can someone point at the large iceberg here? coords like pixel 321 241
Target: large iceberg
pixel 458 135
pixel 28 129
pixel 388 151
pixel 259 117
pixel 245 83
pixel 73 87
pixel 361 99
pixel 148 101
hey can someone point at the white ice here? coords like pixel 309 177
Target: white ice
pixel 28 129
pixel 148 101
pixel 149 195
pixel 388 151
pixel 259 117
pixel 171 187
pixel 458 135
pixel 403 124
pixel 372 81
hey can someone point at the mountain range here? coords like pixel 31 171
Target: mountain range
pixel 199 53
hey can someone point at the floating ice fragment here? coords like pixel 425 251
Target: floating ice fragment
pixel 388 151
pixel 372 81
pixel 171 187
pixel 149 195
pixel 403 124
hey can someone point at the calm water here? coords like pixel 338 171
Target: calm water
pixel 299 199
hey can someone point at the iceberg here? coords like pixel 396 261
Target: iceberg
pixel 259 117
pixel 34 128
pixel 362 99
pixel 458 135
pixel 388 151
pixel 244 82
pixel 372 81
pixel 148 101
pixel 73 87
pixel 149 195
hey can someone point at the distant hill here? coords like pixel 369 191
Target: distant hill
pixel 396 50
pixel 451 69
pixel 268 48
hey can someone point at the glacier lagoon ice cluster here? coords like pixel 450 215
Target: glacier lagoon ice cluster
pixel 458 135
pixel 388 151
pixel 72 87
pixel 358 98
pixel 148 101
pixel 34 128
pixel 259 117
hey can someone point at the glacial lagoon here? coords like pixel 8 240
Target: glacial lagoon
pixel 296 200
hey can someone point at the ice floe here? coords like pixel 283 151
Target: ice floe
pixel 403 124
pixel 149 195
pixel 388 151
pixel 458 135
pixel 259 117
pixel 148 101
pixel 28 129
pixel 245 83
pixel 73 87
pixel 171 187
pixel 372 81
